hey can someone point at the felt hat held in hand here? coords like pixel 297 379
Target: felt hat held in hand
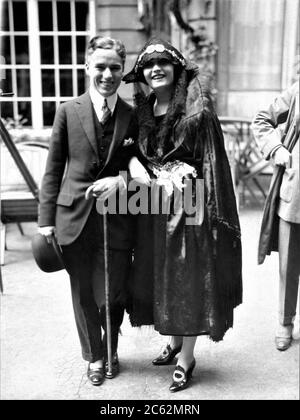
pixel 47 255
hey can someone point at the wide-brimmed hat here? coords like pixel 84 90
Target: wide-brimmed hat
pixel 154 48
pixel 47 255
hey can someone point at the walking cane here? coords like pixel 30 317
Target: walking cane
pixel 106 275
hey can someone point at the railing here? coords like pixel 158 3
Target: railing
pixel 245 159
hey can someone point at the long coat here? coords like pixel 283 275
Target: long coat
pixel 269 133
pixel 73 165
pixel 184 281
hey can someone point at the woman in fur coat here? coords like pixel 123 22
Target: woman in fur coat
pixel 187 268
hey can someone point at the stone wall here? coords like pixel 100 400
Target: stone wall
pixel 120 19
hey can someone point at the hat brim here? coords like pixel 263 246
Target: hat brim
pixel 137 75
pixel 134 77
pixel 131 77
pixel 47 255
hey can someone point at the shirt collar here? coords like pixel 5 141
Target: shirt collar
pixel 97 99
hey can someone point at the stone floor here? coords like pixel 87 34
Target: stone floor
pixel 40 353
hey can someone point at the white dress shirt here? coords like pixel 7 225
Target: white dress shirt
pixel 97 101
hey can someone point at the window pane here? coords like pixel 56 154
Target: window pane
pixel 253 62
pixel 4 22
pixel 81 45
pixel 48 84
pixel 7 83
pixel 24 110
pixel 7 110
pixel 48 113
pixel 2 80
pixel 20 15
pixel 66 88
pixel 22 55
pixel 45 16
pixel 65 53
pixel 63 16
pixel 81 11
pixel 23 82
pixel 81 81
pixel 5 48
pixel 47 50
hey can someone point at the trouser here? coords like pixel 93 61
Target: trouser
pixel 289 270
pixel 84 261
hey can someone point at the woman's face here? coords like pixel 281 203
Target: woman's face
pixel 159 74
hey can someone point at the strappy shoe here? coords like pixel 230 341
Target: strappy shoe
pixel 166 356
pixel 115 365
pixel 181 378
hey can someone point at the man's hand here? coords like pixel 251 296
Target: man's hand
pixel 138 171
pixel 103 188
pixel 47 231
pixel 282 157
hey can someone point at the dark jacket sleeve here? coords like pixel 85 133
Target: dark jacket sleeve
pixel 55 166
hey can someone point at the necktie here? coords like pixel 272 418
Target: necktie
pixel 105 112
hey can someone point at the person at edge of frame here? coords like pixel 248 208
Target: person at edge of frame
pixel 276 130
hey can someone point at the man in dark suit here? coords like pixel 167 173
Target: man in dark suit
pixel 276 130
pixel 90 145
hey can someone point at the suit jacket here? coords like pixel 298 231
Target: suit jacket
pixel 73 165
pixel 284 194
pixel 270 134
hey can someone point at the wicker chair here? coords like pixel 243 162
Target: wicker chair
pixel 22 167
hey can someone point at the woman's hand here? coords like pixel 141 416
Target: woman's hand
pixel 103 188
pixel 138 172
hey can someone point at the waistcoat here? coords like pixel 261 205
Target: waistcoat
pixel 104 135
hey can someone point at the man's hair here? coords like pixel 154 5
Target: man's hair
pixel 108 44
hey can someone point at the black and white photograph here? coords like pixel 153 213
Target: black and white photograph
pixel 150 203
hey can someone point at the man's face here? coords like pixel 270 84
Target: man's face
pixel 105 69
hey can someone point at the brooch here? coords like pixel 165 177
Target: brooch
pixel 128 142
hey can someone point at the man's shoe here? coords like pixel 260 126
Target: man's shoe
pixel 181 378
pixel 166 357
pixel 283 343
pixel 95 376
pixel 283 337
pixel 115 367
